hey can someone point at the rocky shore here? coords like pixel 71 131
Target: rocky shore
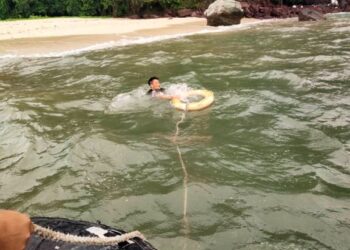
pixel 264 9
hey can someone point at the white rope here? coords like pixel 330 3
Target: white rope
pixel 185 181
pixel 183 116
pixel 58 236
pixel 185 173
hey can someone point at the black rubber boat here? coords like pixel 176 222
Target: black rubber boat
pixel 82 229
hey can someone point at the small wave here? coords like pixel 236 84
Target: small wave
pixel 130 101
pixel 334 178
pixel 290 77
pixel 292 29
pixel 338 117
pixel 190 76
pixel 9 113
pixel 341 159
pixel 344 41
pixel 156 59
pixel 301 244
pixel 340 29
pixel 186 61
pixel 269 59
pixel 252 110
pixel 227 73
pixel 339 14
pixel 100 79
pixel 205 55
pixel 318 59
pixel 325 75
pixel 271 96
pixel 89 105
pixel 287 52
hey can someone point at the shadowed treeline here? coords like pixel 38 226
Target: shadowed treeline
pixel 27 8
pixel 115 8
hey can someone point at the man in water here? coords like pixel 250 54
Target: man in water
pixel 156 91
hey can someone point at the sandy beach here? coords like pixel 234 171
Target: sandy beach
pixel 55 35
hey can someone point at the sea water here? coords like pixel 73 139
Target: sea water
pixel 268 163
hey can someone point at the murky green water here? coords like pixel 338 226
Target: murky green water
pixel 268 164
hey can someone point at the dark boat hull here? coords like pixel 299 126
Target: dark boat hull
pixel 79 228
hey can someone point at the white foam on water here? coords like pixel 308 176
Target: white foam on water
pixel 345 40
pixel 267 58
pixel 137 100
pixel 136 41
pixel 341 14
pixel 345 29
pixel 179 90
pixel 293 29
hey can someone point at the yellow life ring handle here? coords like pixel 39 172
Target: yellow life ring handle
pixel 208 99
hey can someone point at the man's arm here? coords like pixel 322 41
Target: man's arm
pixel 165 96
pixel 15 229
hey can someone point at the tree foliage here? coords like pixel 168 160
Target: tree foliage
pixel 27 8
pixel 22 8
pixel 4 9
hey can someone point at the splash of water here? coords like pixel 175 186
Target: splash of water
pixel 137 99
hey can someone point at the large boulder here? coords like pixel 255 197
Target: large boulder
pixel 224 12
pixel 310 15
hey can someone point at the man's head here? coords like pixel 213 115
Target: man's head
pixel 154 83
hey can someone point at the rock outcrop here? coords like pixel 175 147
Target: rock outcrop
pixel 184 12
pixel 344 5
pixel 224 12
pixel 310 15
pixel 266 9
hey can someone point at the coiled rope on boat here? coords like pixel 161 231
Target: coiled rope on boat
pixel 69 238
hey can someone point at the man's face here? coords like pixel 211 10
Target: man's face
pixel 155 84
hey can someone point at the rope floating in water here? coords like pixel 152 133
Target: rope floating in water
pixel 184 170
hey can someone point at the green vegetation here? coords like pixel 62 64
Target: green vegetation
pixel 27 8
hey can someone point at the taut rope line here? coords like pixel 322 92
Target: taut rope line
pixel 58 236
pixel 185 174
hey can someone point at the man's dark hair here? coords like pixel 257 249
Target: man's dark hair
pixel 151 79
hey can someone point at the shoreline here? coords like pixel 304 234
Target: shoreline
pixel 63 36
